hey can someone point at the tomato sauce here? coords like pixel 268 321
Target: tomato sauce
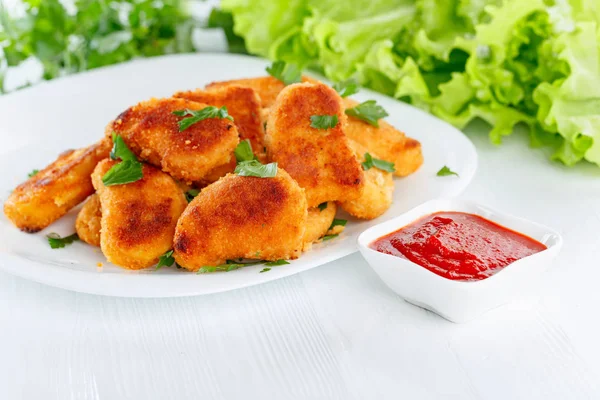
pixel 458 246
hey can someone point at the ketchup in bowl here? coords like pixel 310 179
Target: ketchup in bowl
pixel 458 246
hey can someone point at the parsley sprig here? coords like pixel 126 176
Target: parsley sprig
pixel 166 260
pixel 243 151
pixel 191 194
pixel 371 162
pixel 56 242
pixel 128 170
pixel 286 73
pixel 368 111
pixel 194 116
pixel 231 265
pixel 323 121
pixel 445 171
pixel 322 206
pixel 255 168
pixel 33 173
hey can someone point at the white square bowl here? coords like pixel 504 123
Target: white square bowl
pixel 459 301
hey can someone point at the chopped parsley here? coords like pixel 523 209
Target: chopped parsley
pixel 445 171
pixel 264 270
pixel 338 222
pixel 322 206
pixel 276 263
pixel 368 111
pixel 56 242
pixel 255 168
pixel 371 162
pixel 323 121
pixel 243 151
pixel 191 194
pixel 33 173
pixel 128 170
pixel 286 73
pixel 329 237
pixel 166 260
pixel 194 116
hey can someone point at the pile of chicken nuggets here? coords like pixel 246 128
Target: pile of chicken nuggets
pixel 232 216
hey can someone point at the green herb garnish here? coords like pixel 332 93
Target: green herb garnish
pixel 255 168
pixel 243 151
pixel 445 171
pixel 368 111
pixel 322 206
pixel 191 194
pixel 347 88
pixel 276 263
pixel 166 260
pixel 329 237
pixel 128 170
pixel 56 242
pixel 229 265
pixel 122 173
pixel 264 270
pixel 338 222
pixel 120 149
pixel 33 173
pixel 286 73
pixel 323 121
pixel 200 115
pixel 371 162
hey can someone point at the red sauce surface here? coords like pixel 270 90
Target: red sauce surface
pixel 458 246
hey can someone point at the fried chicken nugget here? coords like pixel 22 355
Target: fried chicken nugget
pixel 320 160
pixel 318 223
pixel 138 218
pixel 391 144
pixel 242 217
pixel 87 224
pixel 267 87
pixel 151 131
pixel 53 191
pixel 243 105
pixel 379 189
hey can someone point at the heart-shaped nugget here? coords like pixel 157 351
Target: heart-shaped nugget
pixel 242 217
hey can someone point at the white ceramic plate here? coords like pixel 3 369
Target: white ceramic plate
pixel 38 123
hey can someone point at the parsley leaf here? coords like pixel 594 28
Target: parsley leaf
pixel 322 206
pixel 445 171
pixel 120 149
pixel 191 194
pixel 264 270
pixel 276 263
pixel 243 151
pixel 33 173
pixel 368 111
pixel 255 168
pixel 200 115
pixel 323 121
pixel 228 266
pixel 347 88
pixel 166 260
pixel 56 242
pixel 383 165
pixel 122 173
pixel 338 222
pixel 128 170
pixel 329 237
pixel 286 73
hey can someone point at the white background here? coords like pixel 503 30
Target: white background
pixel 334 332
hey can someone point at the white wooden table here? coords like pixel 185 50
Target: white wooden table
pixel 334 332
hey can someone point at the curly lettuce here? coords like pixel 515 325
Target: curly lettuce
pixel 508 62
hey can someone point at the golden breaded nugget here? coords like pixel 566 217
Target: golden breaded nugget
pixel 243 105
pixel 379 188
pixel 138 218
pixel 242 217
pixel 267 87
pixel 87 224
pixel 318 223
pixel 52 192
pixel 391 144
pixel 150 130
pixel 320 160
